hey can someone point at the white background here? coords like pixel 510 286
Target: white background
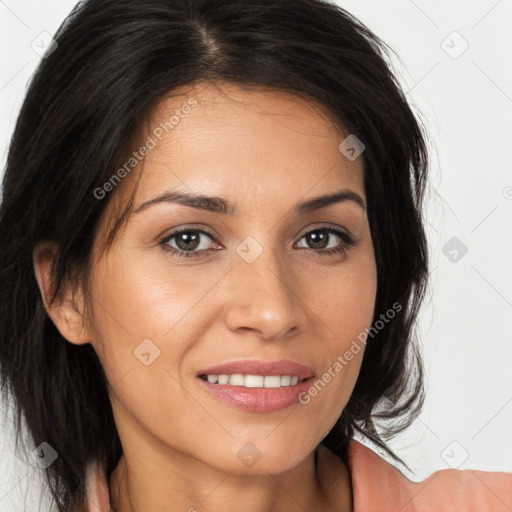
pixel 466 102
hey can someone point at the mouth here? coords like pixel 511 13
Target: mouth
pixel 257 386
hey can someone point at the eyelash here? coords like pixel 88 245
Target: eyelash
pixel 342 249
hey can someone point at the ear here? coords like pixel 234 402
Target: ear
pixel 66 311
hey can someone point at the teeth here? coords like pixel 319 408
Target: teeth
pixel 254 381
pixel 223 379
pixel 272 382
pixel 286 380
pixel 235 380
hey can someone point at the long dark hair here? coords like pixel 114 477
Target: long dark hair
pixel 114 61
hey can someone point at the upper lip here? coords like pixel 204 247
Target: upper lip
pixel 258 367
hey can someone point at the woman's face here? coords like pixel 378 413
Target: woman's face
pixel 250 285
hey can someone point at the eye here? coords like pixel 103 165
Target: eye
pixel 189 241
pixel 322 237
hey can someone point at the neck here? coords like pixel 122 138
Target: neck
pixel 187 485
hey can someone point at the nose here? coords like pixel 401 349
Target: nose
pixel 262 300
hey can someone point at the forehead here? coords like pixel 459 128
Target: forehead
pixel 233 140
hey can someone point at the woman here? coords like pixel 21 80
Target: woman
pixel 213 260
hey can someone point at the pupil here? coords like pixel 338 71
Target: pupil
pixel 317 239
pixel 187 237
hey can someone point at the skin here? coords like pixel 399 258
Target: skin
pixel 265 151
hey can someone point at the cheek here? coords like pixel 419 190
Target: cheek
pixel 140 297
pixel 136 308
pixel 147 317
pixel 142 335
pixel 346 306
pixel 345 298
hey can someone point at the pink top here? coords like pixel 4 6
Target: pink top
pixel 377 486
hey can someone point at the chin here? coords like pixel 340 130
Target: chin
pixel 263 457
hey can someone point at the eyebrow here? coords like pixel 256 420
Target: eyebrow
pixel 223 206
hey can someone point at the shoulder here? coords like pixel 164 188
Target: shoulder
pixel 379 486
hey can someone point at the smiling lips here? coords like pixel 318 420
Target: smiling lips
pixel 257 385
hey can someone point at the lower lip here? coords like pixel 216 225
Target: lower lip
pixel 258 399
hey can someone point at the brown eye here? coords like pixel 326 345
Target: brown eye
pixel 187 242
pixel 320 238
